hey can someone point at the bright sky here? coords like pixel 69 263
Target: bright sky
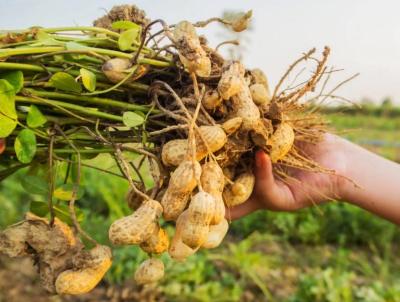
pixel 364 34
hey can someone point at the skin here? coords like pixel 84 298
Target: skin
pixel 362 178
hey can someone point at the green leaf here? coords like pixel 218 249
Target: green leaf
pixel 132 119
pixel 35 185
pixel 127 38
pixel 39 208
pixel 10 171
pixel 62 212
pixel 64 192
pixel 125 25
pixel 15 78
pixel 25 146
pixel 66 82
pixel 88 79
pixel 35 118
pixel 7 99
pixel 75 46
pixel 46 39
pixel 7 125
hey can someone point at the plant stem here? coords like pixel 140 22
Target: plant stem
pixel 68 150
pixel 82 151
pixel 38 68
pixel 88 99
pixel 58 120
pixel 83 29
pixel 77 108
pixel 7 52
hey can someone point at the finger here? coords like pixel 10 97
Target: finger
pixel 276 195
pixel 263 169
pixel 241 210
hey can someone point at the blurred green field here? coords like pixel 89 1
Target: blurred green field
pixel 335 252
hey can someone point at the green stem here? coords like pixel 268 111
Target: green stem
pixel 58 120
pixel 82 28
pixel 77 108
pixel 88 99
pixel 84 151
pixel 37 68
pixel 69 151
pixel 7 52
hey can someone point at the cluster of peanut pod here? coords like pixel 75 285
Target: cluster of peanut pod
pixel 204 179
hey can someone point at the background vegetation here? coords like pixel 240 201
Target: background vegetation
pixel 334 252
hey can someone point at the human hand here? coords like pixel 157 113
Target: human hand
pixel 304 188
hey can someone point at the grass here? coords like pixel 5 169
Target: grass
pixel 344 254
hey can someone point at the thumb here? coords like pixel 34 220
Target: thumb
pixel 263 169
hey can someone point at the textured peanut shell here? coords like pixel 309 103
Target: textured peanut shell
pixel 281 142
pixel 138 227
pixel 244 107
pixel 219 212
pixel 83 279
pixel 184 178
pixel 232 125
pixel 214 137
pixel 240 190
pixel 174 152
pixel 151 270
pixel 200 213
pixel 260 94
pixel 178 250
pixel 213 181
pixel 157 243
pixel 115 69
pixel 201 209
pixel 211 100
pixel 216 234
pixel 181 184
pixel 174 203
pixel 259 77
pixel 194 235
pixel 212 178
pixel 13 240
pixel 241 21
pixel 232 80
pixel 191 53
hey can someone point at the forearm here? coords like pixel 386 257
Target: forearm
pixel 376 180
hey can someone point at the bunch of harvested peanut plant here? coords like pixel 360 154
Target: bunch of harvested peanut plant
pixel 160 91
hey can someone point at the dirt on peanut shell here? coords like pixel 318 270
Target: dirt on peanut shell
pixel 19 283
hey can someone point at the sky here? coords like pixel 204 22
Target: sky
pixel 364 35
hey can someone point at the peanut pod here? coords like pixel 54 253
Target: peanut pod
pixel 175 151
pixel 151 270
pixel 138 227
pixel 216 234
pixel 213 181
pixel 157 243
pixel 232 125
pixel 200 213
pixel 182 182
pixel 191 53
pixel 281 142
pixel 87 275
pixel 260 95
pixel 240 190
pixel 178 250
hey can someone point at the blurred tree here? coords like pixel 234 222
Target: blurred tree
pixel 386 107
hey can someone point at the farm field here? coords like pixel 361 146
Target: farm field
pixel 334 252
